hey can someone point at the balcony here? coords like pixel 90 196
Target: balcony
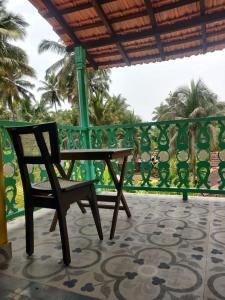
pixel 179 156
pixel 169 249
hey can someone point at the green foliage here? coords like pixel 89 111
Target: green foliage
pixel 103 108
pixel 106 176
pixel 189 102
pixel 14 66
pixel 66 117
pixel 65 73
pixel 51 92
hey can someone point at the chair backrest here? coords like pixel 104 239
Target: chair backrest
pixel 36 144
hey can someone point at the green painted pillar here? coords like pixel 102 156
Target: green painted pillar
pixel 80 62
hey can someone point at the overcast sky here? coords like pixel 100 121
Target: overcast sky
pixel 144 86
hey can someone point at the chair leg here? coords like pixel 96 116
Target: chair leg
pixel 54 222
pixel 95 212
pixel 64 236
pixel 29 224
pixel 82 208
pixel 55 218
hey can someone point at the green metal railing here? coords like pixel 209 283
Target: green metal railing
pixel 12 181
pixel 182 152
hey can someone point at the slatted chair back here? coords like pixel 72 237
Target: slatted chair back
pixel 36 144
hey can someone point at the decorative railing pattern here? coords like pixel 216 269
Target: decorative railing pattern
pixel 72 137
pixel 12 181
pixel 168 156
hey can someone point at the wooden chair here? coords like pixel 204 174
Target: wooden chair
pixel 38 144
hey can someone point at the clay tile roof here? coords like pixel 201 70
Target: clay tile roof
pixel 127 32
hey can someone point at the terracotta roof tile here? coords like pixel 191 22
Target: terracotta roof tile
pixel 120 32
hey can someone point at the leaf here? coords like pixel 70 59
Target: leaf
pixel 98 277
pixel 105 290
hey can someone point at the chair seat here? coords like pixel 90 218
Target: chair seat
pixel 65 185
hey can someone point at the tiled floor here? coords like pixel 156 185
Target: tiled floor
pixel 168 250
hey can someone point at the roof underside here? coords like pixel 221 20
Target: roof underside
pixel 127 32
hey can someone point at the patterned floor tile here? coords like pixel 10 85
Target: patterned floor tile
pixel 169 249
pixel 19 289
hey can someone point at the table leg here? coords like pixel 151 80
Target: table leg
pixel 119 187
pixel 117 183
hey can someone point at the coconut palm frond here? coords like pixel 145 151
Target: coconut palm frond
pixel 48 45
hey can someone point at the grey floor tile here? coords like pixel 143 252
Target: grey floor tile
pixel 168 250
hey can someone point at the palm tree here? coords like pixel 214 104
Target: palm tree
pixel 98 110
pixel 25 110
pixel 64 68
pixel 14 89
pixel 51 92
pixel 160 112
pixel 103 108
pixel 13 61
pixel 12 27
pixel 190 102
pixel 98 82
pixel 107 110
pixel 129 117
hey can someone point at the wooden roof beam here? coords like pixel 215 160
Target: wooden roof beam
pixel 162 8
pixel 146 48
pixel 128 17
pixel 167 54
pixel 109 28
pixel 202 13
pixel 76 8
pixel 152 47
pixel 153 22
pixel 131 50
pixel 181 25
pixel 55 13
pixel 83 27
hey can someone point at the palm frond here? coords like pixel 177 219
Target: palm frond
pixel 48 45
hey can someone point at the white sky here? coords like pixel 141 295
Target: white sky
pixel 144 86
